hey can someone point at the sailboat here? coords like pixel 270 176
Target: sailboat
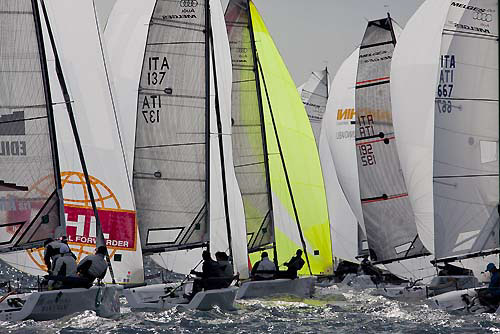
pixel 183 189
pixel 455 154
pixel 29 126
pixel 279 216
pixel 314 94
pixel 388 217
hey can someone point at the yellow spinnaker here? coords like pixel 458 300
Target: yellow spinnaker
pixel 301 159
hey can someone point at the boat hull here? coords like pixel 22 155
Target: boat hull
pixel 301 287
pixel 157 297
pixel 50 305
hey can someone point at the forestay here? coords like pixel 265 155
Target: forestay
pixel 314 95
pixel 29 199
pixel 248 131
pixel 170 178
pixel 465 183
pixel 387 212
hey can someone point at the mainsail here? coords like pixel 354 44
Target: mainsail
pixel 466 189
pixel 314 94
pixel 387 212
pixel 29 212
pixel 249 137
pixel 171 139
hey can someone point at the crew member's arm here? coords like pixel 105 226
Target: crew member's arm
pixel 255 268
pixel 47 254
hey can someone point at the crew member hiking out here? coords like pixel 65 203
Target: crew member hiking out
pixel 294 265
pixel 264 269
pixel 92 267
pixel 210 276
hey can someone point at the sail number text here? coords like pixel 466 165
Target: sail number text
pixel 151 106
pixel 157 70
pixel 366 154
pixel 446 84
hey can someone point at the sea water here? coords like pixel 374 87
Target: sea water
pixel 333 309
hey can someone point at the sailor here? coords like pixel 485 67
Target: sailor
pixel 491 296
pixel 53 250
pixel 294 265
pixel 64 267
pixel 227 269
pixel 263 269
pixel 93 266
pixel 209 277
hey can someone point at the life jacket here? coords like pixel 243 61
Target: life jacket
pixel 227 268
pixel 65 266
pixel 93 266
pixel 53 251
pixel 264 268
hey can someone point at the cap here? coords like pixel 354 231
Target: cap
pixel 490 267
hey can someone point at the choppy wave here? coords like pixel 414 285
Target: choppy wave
pixel 332 310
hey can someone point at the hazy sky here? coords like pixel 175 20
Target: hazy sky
pixel 313 33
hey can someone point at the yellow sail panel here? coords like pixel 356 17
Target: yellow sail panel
pixel 301 160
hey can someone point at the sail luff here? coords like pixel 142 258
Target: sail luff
pixel 207 32
pixel 50 114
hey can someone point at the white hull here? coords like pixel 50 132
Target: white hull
pixel 49 305
pixel 453 300
pixel 156 297
pixel 301 287
pixel 439 285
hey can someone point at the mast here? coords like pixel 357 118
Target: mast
pixel 302 240
pixel 50 112
pixel 100 241
pixel 221 148
pixel 207 118
pixel 263 128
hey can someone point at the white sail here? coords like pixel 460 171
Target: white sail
pixel 341 111
pixel 78 43
pixel 218 228
pixel 343 222
pixel 130 18
pixel 466 190
pixel 314 95
pixel 416 57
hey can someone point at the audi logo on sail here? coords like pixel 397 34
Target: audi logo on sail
pixel 188 3
pixel 482 16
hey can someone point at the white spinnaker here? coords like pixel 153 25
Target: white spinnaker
pixel 77 41
pixel 414 72
pixel 343 223
pixel 466 132
pixel 340 109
